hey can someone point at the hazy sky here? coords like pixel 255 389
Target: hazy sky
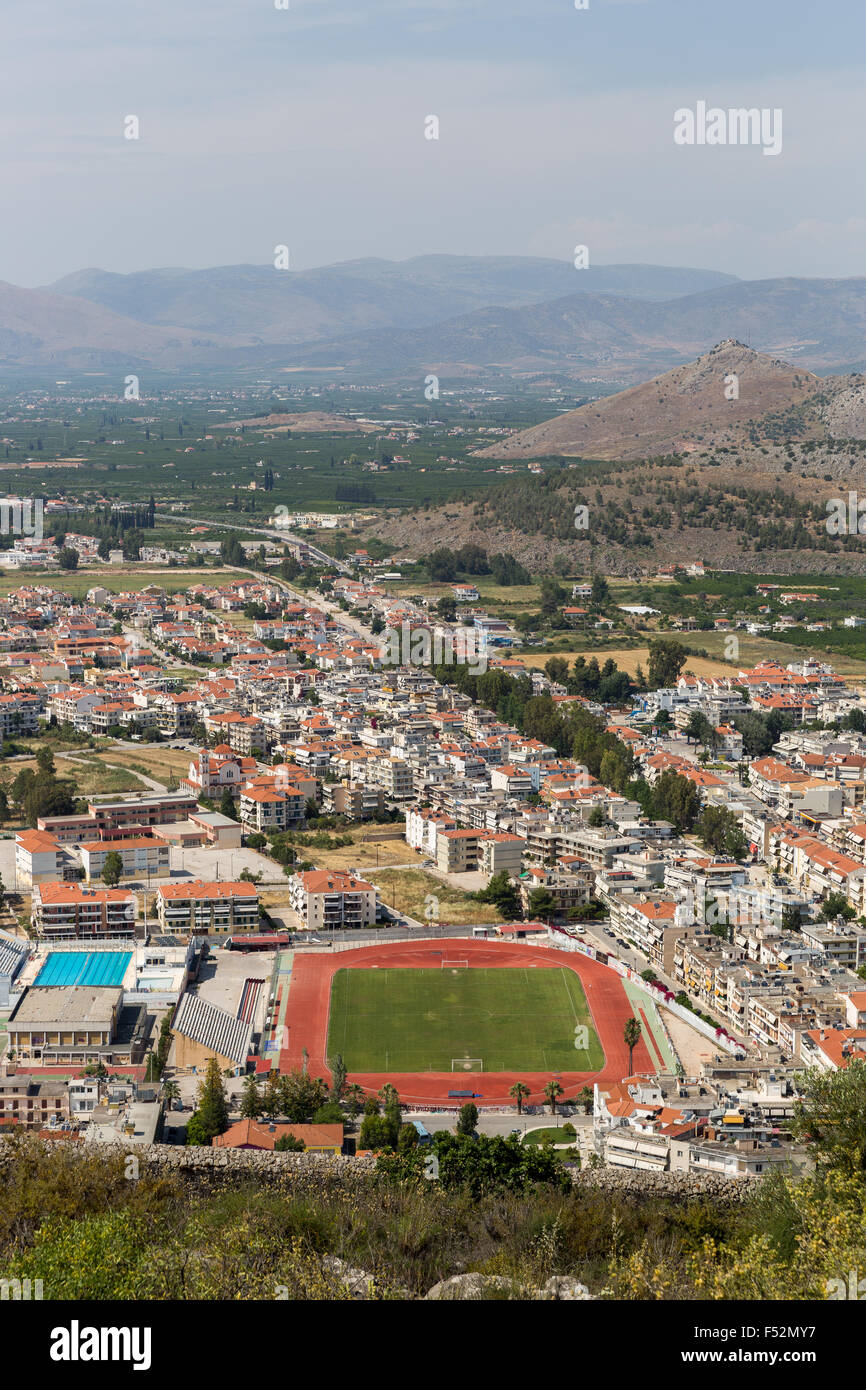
pixel 261 126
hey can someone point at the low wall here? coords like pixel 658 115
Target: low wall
pixel 325 1173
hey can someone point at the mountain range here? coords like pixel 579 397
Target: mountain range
pixel 459 316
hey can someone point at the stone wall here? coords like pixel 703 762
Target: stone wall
pixel 321 1172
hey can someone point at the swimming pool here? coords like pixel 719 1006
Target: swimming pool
pixel 84 968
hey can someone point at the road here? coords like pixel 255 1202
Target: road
pixel 271 533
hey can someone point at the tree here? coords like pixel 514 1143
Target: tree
pixel 251 1101
pixel 720 831
pixel 552 1091
pixel 272 1099
pixel 557 669
pixel 677 799
pixel 830 1116
pixel 377 1132
pixel 836 905
pixel 542 903
pixel 520 1091
pixel 467 1118
pixel 792 918
pixel 354 1099
pixel 112 869
pixel 502 893
pixel 211 1116
pixel 631 1038
pixel 68 558
pixel 338 1076
pixel 482 1165
pixel 552 597
pixel 596 817
pixel 301 1096
pixel 599 592
pixel 289 1143
pixel 45 761
pixel 170 1091
pixel 227 805
pixel 328 1114
pixel 700 729
pixel 666 660
pixel 586 1099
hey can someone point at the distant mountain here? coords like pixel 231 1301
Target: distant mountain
pixel 731 396
pixel 821 323
pixel 39 328
pixel 458 316
pixel 254 305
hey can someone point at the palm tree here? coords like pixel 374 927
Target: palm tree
pixel 520 1091
pixel 586 1099
pixel 170 1091
pixel 631 1036
pixel 552 1090
pixel 354 1096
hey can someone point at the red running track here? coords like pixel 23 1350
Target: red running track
pixel 309 1002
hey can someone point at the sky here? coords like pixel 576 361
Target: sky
pixel 305 127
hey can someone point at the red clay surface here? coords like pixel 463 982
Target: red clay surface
pixel 310 995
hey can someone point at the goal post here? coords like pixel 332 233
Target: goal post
pixel 467 1064
pixel 455 964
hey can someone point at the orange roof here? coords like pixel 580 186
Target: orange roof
pixel 232 888
pixel 332 880
pixel 36 841
pixel 252 1134
pixel 75 893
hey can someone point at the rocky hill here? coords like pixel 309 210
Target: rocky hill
pixel 730 396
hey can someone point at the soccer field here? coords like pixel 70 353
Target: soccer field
pixel 420 1020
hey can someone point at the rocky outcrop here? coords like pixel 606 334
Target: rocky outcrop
pixel 560 1288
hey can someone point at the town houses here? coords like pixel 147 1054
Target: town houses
pixel 755 948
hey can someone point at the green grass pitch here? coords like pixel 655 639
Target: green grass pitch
pixel 418 1020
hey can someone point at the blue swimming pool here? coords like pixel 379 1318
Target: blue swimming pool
pixel 84 968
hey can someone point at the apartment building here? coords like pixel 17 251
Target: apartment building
pixel 654 924
pixel 38 857
pixel 330 899
pixel 458 851
pixel 19 714
pixel 70 911
pixel 142 857
pixel 32 1104
pixel 354 800
pixel 569 888
pixel 208 909
pixel 500 850
pixel 143 810
pixel 266 810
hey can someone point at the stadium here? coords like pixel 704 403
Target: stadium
pixel 445 1021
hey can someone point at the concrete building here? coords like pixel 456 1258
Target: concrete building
pixel 208 909
pixel 143 857
pixel 329 899
pixel 69 911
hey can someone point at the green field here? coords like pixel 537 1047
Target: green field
pixel 418 1020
